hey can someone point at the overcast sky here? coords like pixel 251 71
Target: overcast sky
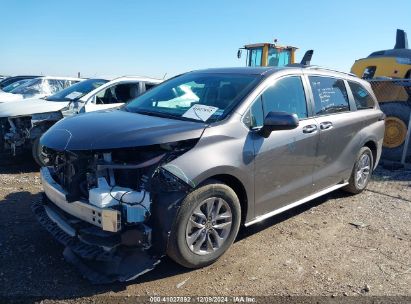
pixel 153 37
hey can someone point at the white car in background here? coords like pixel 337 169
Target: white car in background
pixel 22 123
pixel 38 88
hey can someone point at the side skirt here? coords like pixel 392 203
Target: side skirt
pixel 295 204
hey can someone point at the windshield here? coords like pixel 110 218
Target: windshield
pixel 33 86
pixel 14 85
pixel 77 91
pixel 195 96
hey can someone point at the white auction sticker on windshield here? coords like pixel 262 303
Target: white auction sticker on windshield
pixel 73 95
pixel 200 112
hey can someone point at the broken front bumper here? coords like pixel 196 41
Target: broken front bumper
pixel 97 242
pixel 107 219
pixel 98 263
pixel 94 240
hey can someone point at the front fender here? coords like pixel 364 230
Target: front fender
pixel 226 149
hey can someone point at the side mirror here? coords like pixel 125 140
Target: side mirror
pixel 275 121
pixel 92 99
pixel 239 54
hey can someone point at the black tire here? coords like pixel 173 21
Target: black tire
pixel 400 110
pixel 6 159
pixel 353 187
pixel 178 249
pixel 35 152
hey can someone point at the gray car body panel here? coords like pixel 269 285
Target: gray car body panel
pixel 289 165
pixel 278 172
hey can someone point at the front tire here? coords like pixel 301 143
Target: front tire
pixel 35 152
pixel 361 173
pixel 206 225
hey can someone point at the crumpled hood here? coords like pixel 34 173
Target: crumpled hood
pixel 29 107
pixel 6 97
pixel 117 129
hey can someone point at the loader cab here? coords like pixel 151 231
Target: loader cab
pixel 393 63
pixel 268 54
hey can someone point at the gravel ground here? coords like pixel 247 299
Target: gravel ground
pixel 337 245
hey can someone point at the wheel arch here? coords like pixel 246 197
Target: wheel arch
pixel 373 147
pixel 238 187
pixel 40 128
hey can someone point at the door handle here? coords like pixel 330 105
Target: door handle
pixel 310 129
pixel 326 125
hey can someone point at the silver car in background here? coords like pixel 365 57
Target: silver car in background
pixel 181 167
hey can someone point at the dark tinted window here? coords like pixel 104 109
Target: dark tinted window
pixel 286 95
pixel 120 93
pixel 330 95
pixel 362 98
pixel 149 85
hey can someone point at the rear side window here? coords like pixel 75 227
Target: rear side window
pixel 362 98
pixel 330 95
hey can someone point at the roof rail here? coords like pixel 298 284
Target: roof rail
pixel 137 76
pixel 316 67
pixel 297 65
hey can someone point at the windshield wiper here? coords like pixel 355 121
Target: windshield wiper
pixel 166 115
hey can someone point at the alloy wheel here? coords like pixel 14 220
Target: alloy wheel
pixel 209 226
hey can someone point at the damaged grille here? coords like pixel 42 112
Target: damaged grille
pixel 79 171
pixel 70 171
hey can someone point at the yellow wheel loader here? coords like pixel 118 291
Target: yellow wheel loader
pixel 389 72
pixel 272 54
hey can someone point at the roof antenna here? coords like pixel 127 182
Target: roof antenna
pixel 164 76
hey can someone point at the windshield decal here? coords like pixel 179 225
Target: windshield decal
pixel 200 112
pixel 74 95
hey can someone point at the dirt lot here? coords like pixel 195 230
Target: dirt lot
pixel 337 245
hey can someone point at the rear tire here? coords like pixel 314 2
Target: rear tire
pixel 396 126
pixel 193 241
pixel 361 172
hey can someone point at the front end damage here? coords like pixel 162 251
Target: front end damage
pixel 18 133
pixel 112 210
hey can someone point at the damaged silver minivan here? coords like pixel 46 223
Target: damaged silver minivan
pixel 177 170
